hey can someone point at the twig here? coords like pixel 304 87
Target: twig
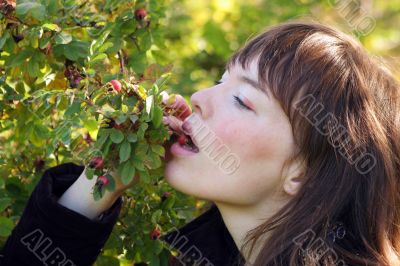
pixel 121 62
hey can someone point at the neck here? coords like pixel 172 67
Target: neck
pixel 241 219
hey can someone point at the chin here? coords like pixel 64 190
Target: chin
pixel 180 179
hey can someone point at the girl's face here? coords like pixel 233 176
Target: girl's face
pixel 242 150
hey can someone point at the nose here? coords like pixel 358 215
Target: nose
pixel 201 103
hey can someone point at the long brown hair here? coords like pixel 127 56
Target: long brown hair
pixel 343 105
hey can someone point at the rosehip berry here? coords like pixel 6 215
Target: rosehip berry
pixel 165 195
pixel 88 138
pixel 140 14
pixel 103 179
pixel 96 162
pixel 116 126
pixel 74 82
pixel 116 85
pixel 182 139
pixel 67 73
pixel 155 234
pixel 38 163
pixel 47 49
pixel 18 38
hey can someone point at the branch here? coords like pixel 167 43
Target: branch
pixel 121 62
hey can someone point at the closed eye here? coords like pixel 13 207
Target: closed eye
pixel 240 103
pixel 237 100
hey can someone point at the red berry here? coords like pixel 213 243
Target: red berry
pixel 155 234
pixel 96 162
pixel 103 179
pixel 140 13
pixel 87 138
pixel 118 126
pixel 182 139
pixel 165 195
pixel 116 85
pixel 39 163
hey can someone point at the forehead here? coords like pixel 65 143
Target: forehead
pixel 251 71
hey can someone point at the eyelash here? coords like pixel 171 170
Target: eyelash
pixel 236 100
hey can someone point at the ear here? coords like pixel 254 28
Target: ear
pixel 293 180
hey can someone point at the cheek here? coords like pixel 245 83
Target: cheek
pixel 250 142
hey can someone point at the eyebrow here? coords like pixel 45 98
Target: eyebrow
pixel 254 84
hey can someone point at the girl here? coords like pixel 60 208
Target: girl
pixel 308 124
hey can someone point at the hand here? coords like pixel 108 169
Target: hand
pixel 120 187
pixel 178 111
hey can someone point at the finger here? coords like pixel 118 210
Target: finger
pixel 182 108
pixel 165 97
pixel 175 124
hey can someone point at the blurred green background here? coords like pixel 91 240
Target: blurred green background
pixel 203 34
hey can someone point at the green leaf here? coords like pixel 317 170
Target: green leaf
pixel 99 42
pixel 98 58
pixel 155 217
pixel 4 203
pixel 157 116
pixel 105 47
pixel 168 203
pixel 73 108
pixel 124 151
pixel 138 164
pixel 6 226
pixel 127 172
pixel 21 57
pixel 4 38
pixel 106 147
pixel 132 137
pixel 158 149
pixel 91 72
pixel 63 38
pixel 75 50
pixel 90 124
pixel 116 136
pixel 102 137
pixel 52 27
pixel 145 177
pixel 104 260
pixel 121 119
pixel 34 8
pixel 133 118
pixel 39 135
pixel 89 172
pixel 43 42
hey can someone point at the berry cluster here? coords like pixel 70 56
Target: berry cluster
pixel 125 126
pixel 73 75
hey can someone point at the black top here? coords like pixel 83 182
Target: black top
pixel 51 234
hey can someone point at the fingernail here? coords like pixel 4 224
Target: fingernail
pixel 165 120
pixel 186 127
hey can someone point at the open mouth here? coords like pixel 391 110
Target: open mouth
pixel 190 145
pixel 186 142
